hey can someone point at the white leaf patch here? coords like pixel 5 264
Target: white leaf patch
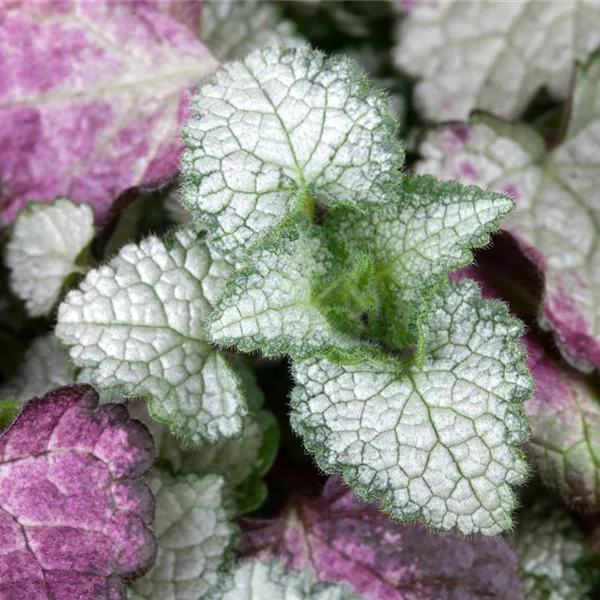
pixel 138 324
pixel 429 231
pixel 493 56
pixel 233 29
pixel 436 441
pixel 43 249
pixel 44 366
pixel 278 131
pixel 269 303
pixel 557 193
pixel 194 533
pixel 550 546
pixel 271 579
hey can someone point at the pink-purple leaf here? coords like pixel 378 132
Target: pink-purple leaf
pixel 345 540
pixel 91 98
pixel 74 515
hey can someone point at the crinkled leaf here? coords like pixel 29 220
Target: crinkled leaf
pixel 270 304
pixel 557 194
pixel 343 539
pixel 550 549
pixel 138 323
pixel 437 441
pixel 278 131
pixel 564 414
pixel 270 579
pixel 414 242
pixel 233 29
pixel 74 513
pixel 494 56
pixel 45 243
pixel 242 461
pixel 194 534
pixel 95 103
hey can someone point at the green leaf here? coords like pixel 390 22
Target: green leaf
pixel 270 579
pixel 270 303
pixel 233 29
pixel 414 242
pixel 194 532
pixel 551 552
pixel 45 245
pixel 9 409
pixel 138 324
pixel 279 131
pixel 436 441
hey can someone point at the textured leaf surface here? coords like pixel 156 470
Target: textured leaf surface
pixel 43 249
pixel 95 103
pixel 564 414
pixel 270 303
pixel 427 232
pixel 75 514
pixel 494 56
pixel 557 194
pixel 138 323
pixel 270 579
pixel 231 30
pixel 242 461
pixel 549 547
pixel 343 539
pixel 194 534
pixel 278 131
pixel 436 441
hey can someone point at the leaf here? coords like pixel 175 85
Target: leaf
pixel 269 579
pixel 277 132
pixel 270 303
pixel 45 366
pixel 45 245
pixel 95 104
pixel 242 461
pixel 194 535
pixel 188 12
pixel 564 414
pixel 233 29
pixel 342 539
pixel 438 441
pixel 138 323
pixel 74 513
pixel 414 242
pixel 550 550
pixel 557 193
pixel 473 54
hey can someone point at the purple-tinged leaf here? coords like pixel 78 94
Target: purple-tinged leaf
pixel 345 540
pixel 564 415
pixel 91 98
pixel 188 12
pixel 74 515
